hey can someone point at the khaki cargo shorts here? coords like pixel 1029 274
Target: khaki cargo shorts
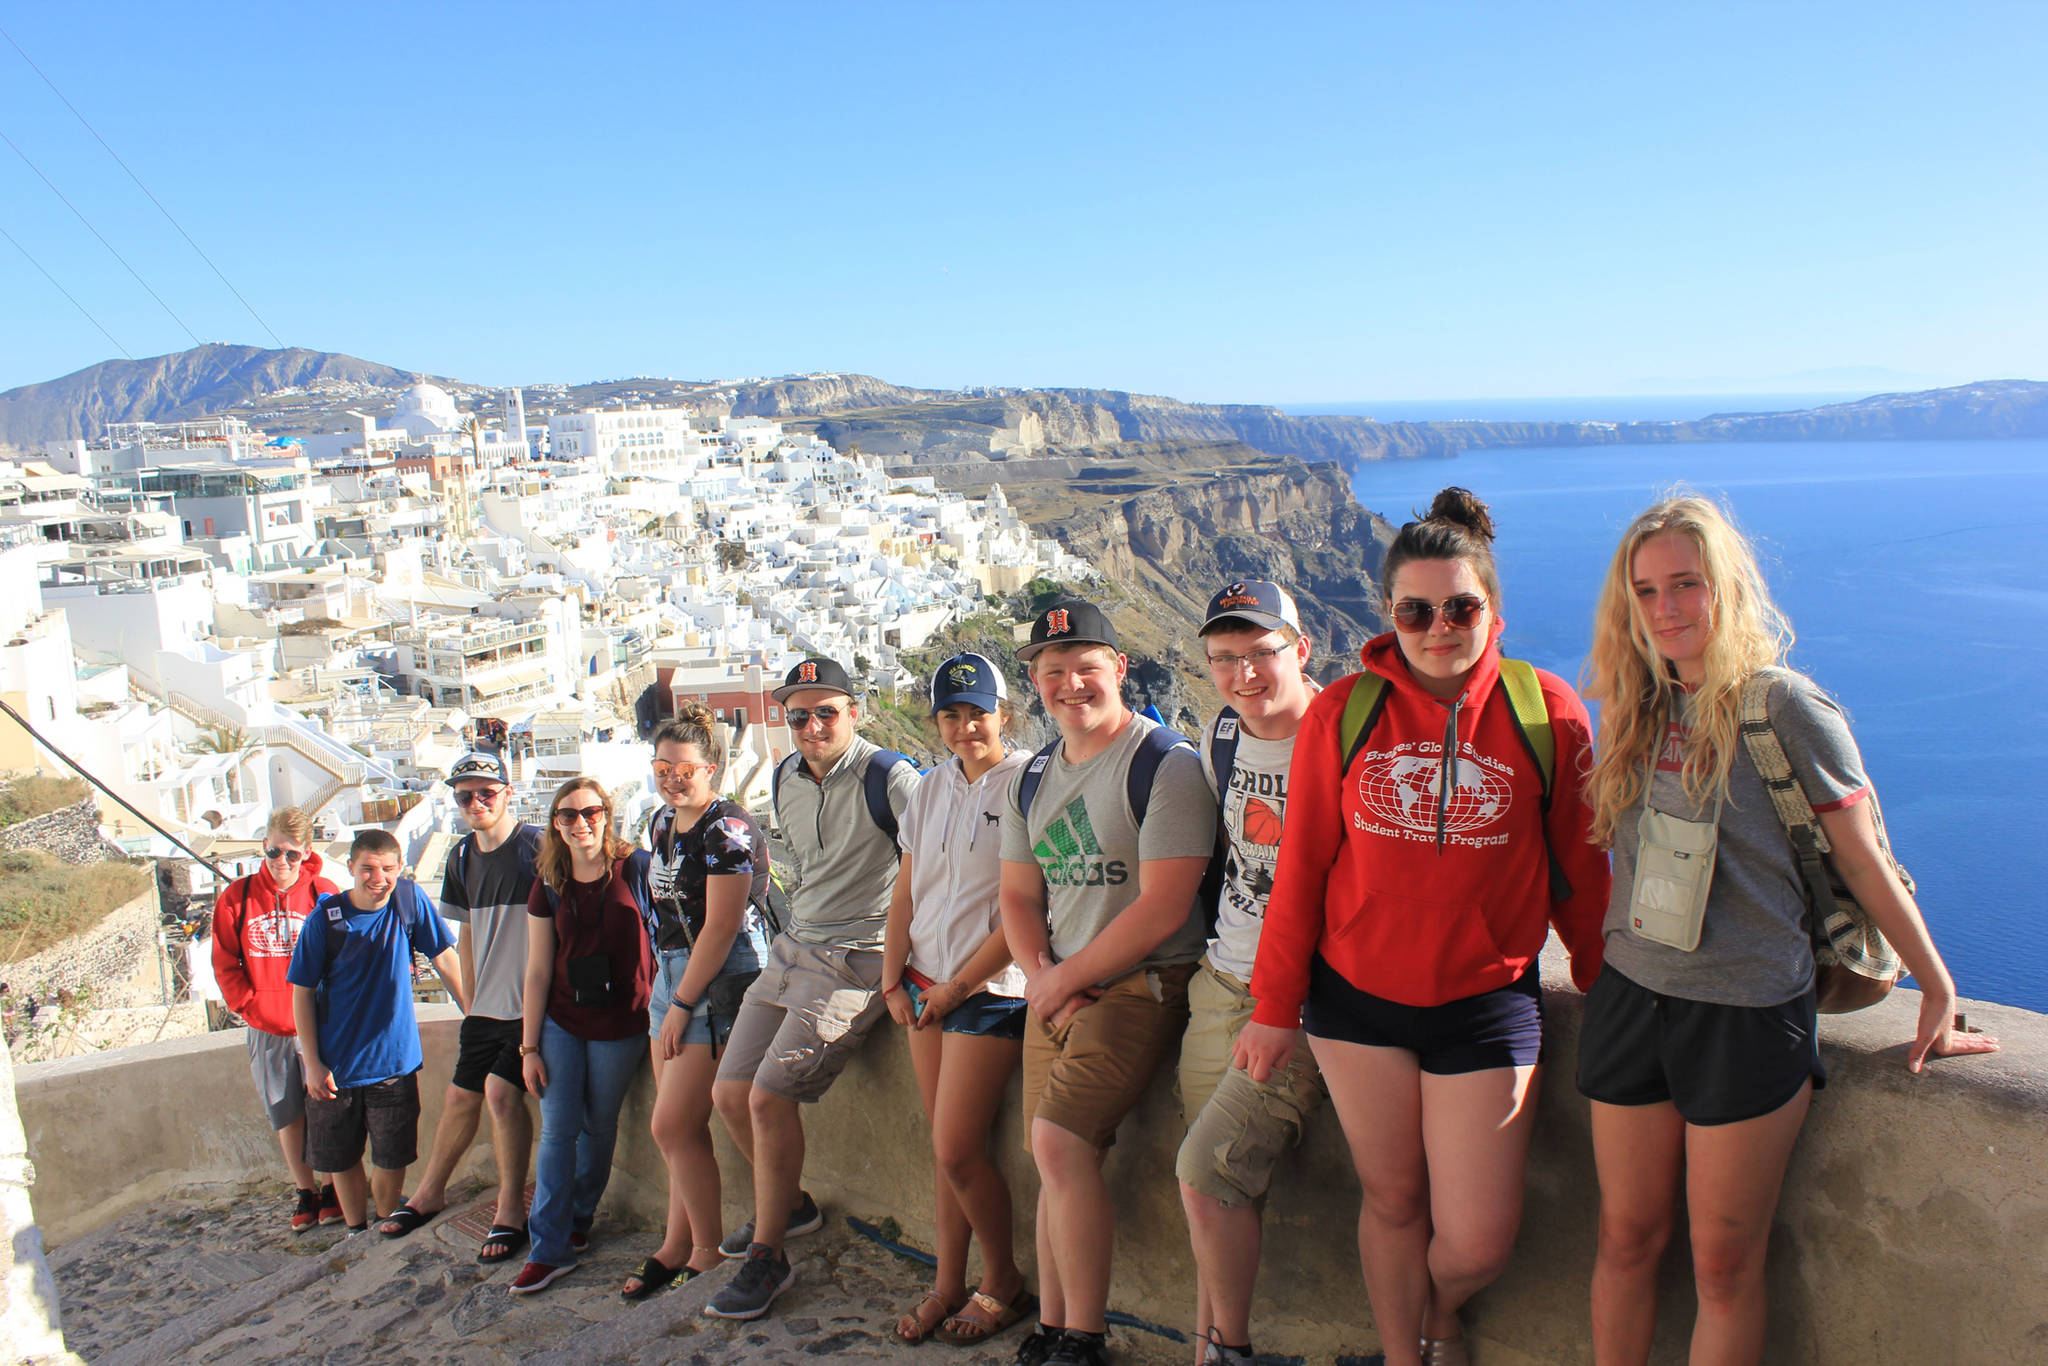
pixel 1237 1127
pixel 801 1021
pixel 1086 1075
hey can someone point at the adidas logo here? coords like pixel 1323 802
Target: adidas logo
pixel 1069 856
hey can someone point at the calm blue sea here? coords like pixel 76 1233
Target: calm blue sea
pixel 1916 574
pixel 1594 408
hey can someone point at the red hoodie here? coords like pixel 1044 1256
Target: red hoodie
pixel 254 928
pixel 1418 900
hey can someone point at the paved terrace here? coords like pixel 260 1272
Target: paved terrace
pixel 1914 1225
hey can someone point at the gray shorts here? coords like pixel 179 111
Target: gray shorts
pixel 803 1018
pixel 280 1077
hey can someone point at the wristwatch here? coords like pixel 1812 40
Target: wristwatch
pixel 527 1048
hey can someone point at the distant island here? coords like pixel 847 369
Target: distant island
pixel 297 391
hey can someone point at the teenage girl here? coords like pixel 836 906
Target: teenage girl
pixel 948 980
pixel 1700 1062
pixel 710 871
pixel 1413 896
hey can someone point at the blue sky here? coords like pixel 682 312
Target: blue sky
pixel 1255 203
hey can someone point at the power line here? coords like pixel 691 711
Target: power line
pixel 67 294
pixel 103 241
pixel 144 188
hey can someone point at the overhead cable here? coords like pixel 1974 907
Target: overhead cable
pixel 144 188
pixel 103 241
pixel 67 294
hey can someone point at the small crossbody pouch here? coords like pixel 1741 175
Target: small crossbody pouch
pixel 1674 873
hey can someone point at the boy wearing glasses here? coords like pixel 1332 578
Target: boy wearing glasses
pixel 256 923
pixel 1106 835
pixel 837 799
pixel 351 976
pixel 1238 1126
pixel 484 890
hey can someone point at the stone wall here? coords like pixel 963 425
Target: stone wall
pixel 1914 1225
pixel 116 959
pixel 72 834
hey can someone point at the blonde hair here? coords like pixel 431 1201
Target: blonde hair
pixel 292 823
pixel 1635 685
pixel 553 861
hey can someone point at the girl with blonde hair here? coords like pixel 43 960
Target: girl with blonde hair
pixel 1698 1050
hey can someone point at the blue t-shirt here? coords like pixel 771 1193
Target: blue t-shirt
pixel 361 963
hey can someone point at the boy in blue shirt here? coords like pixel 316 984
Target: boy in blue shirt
pixel 351 976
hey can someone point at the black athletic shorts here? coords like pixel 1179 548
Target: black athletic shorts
pixel 1499 1028
pixel 1716 1064
pixel 488 1048
pixel 385 1113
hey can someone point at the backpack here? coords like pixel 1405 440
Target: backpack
pixel 874 781
pixel 1532 723
pixel 770 904
pixel 1222 763
pixel 528 838
pixel 1853 965
pixel 1159 742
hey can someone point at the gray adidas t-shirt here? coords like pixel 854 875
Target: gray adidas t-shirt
pixel 1253 810
pixel 1087 846
pixel 1754 948
pixel 488 892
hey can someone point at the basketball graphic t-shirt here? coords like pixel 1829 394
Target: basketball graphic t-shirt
pixel 1253 809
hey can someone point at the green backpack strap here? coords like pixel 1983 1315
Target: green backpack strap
pixel 1532 718
pixel 1361 713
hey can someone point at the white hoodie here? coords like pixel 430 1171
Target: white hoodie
pixel 952 831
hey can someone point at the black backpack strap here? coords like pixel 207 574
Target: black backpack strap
pixel 782 769
pixel 1222 763
pixel 1034 773
pixel 875 781
pixel 1159 742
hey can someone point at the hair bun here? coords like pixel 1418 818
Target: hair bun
pixel 696 714
pixel 1463 508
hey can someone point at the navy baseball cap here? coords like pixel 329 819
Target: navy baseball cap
pixel 969 678
pixel 480 765
pixel 1252 602
pixel 1069 623
pixel 814 673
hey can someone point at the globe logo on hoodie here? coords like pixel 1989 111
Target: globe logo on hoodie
pixel 1402 787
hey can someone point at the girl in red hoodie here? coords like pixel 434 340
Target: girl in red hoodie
pixel 255 925
pixel 1405 923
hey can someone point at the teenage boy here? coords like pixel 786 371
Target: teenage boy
pixel 351 976
pixel 1238 1126
pixel 484 891
pixel 255 924
pixel 1105 838
pixel 837 800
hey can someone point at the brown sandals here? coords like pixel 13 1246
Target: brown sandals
pixel 984 1316
pixel 922 1321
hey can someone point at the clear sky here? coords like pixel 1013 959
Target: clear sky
pixel 1244 202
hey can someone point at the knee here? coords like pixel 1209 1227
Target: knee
pixel 1630 1241
pixel 1471 1261
pixel 959 1160
pixel 770 1111
pixel 732 1098
pixel 1061 1155
pixel 1200 1206
pixel 1398 1202
pixel 507 1106
pixel 1725 1269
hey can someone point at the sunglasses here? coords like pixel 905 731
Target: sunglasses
pixel 799 717
pixel 588 815
pixel 478 796
pixel 288 855
pixel 684 771
pixel 1461 613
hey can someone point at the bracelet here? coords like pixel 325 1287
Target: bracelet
pixel 528 1048
pixel 687 1007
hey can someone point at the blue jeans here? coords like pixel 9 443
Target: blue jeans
pixel 579 1124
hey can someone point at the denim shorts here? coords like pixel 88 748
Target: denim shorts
pixel 669 966
pixel 998 1017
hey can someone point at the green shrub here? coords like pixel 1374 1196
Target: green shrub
pixel 26 798
pixel 44 901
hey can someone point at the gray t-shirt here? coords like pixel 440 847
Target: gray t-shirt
pixel 488 892
pixel 845 864
pixel 1754 948
pixel 1253 810
pixel 1087 845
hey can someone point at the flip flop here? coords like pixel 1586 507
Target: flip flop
pixel 406 1217
pixel 984 1316
pixel 505 1239
pixel 655 1276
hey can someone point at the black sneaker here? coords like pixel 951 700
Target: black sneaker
pixel 765 1274
pixel 1080 1349
pixel 805 1218
pixel 1037 1347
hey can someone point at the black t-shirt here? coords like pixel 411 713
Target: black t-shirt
pixel 724 840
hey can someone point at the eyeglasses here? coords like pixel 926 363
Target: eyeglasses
pixel 799 717
pixel 1461 613
pixel 588 815
pixel 288 855
pixel 478 796
pixel 664 770
pixel 1258 659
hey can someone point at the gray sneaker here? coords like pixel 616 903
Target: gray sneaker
pixel 765 1274
pixel 805 1218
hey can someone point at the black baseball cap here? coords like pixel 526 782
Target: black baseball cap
pixel 1254 602
pixel 1069 623
pixel 814 673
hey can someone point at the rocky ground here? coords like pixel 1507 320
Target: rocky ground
pixel 214 1276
